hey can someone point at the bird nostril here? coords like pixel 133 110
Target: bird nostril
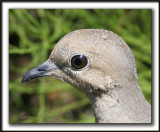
pixel 42 68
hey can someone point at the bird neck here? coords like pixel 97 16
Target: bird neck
pixel 122 105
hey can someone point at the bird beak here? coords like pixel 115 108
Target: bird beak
pixel 39 71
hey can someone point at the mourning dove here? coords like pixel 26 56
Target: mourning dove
pixel 101 65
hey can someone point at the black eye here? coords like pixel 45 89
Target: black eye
pixel 79 61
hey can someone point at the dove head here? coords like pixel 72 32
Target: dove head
pixel 92 60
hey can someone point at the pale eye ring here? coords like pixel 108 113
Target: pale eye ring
pixel 78 61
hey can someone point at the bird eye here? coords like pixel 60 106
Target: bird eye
pixel 79 61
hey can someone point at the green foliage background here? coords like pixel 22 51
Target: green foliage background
pixel 48 100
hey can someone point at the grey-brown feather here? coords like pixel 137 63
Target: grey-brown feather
pixel 109 81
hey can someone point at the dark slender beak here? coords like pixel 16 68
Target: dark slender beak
pixel 39 71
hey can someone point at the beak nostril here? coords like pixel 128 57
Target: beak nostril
pixel 41 69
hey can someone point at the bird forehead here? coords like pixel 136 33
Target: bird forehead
pixel 98 45
pixel 72 44
pixel 62 53
pixel 81 40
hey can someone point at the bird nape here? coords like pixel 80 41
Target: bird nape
pixel 101 65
